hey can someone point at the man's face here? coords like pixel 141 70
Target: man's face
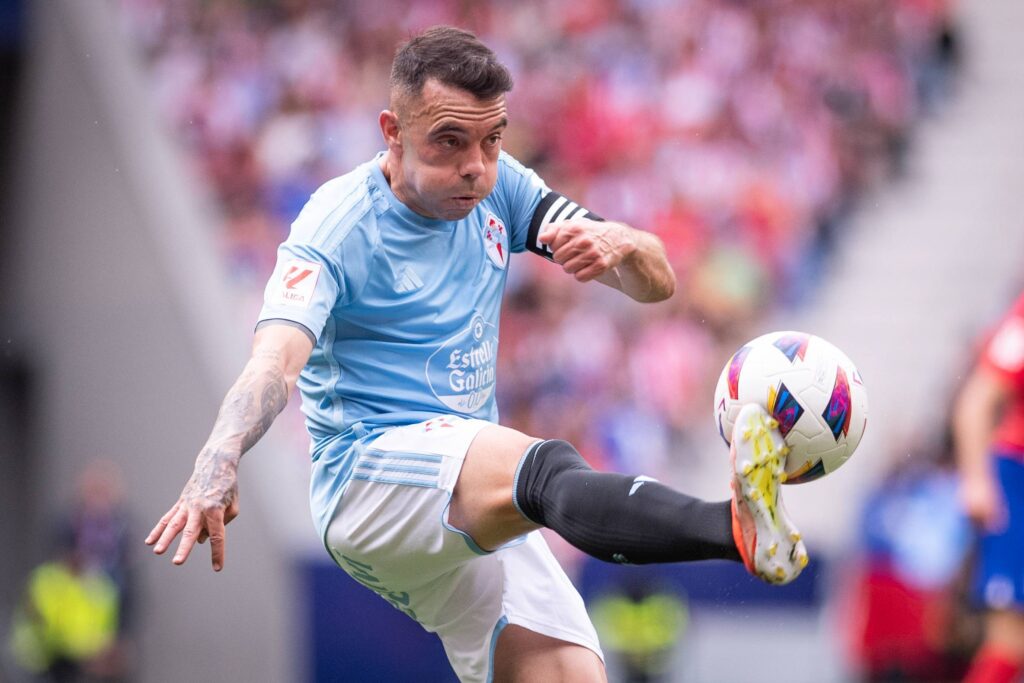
pixel 443 149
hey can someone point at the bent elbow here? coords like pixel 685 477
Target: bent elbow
pixel 663 291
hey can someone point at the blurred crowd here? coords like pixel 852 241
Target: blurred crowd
pixel 742 133
pixel 74 622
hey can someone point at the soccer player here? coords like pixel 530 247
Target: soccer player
pixel 989 430
pixel 384 309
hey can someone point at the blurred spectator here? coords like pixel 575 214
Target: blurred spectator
pixel 906 614
pixel 641 626
pixel 74 623
pixel 67 622
pixel 989 423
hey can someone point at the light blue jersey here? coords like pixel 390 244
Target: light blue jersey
pixel 404 309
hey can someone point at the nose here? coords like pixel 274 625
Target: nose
pixel 472 165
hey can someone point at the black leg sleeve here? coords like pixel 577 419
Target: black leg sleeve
pixel 616 517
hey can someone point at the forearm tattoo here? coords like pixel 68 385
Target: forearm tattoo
pixel 246 414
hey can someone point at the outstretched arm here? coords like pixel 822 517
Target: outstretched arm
pixel 614 254
pixel 210 497
pixel 977 410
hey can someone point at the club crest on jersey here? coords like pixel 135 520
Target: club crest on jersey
pixel 496 240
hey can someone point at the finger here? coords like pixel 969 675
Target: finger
pixel 233 509
pixel 161 525
pixel 568 251
pixel 580 263
pixel 588 274
pixel 215 527
pixel 174 527
pixel 593 270
pixel 548 235
pixel 203 536
pixel 567 233
pixel 189 536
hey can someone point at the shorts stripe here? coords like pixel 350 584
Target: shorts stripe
pixel 400 482
pixel 498 628
pixel 398 455
pixel 407 469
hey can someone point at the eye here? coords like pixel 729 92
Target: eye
pixel 448 142
pixel 494 139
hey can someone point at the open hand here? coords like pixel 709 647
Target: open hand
pixel 208 502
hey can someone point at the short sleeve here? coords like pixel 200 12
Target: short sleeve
pixel 304 288
pixel 522 191
pixel 1004 351
pixel 532 206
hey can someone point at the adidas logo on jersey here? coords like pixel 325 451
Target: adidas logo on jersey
pixel 407 280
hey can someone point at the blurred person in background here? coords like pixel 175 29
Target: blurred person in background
pixel 383 310
pixel 65 629
pixel 74 622
pixel 642 623
pixel 989 428
pixel 906 613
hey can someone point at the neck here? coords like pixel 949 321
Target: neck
pixel 393 174
pixel 385 166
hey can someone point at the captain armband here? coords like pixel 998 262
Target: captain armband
pixel 553 207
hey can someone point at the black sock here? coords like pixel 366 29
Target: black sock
pixel 616 517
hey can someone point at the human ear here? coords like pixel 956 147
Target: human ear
pixel 391 130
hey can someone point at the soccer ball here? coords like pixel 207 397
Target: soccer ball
pixel 810 387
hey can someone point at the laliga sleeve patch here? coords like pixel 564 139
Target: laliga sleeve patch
pixel 295 283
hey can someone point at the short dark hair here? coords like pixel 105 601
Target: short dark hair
pixel 455 58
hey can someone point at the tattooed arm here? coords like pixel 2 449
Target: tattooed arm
pixel 210 498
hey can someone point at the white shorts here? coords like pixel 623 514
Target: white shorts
pixel 390 533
